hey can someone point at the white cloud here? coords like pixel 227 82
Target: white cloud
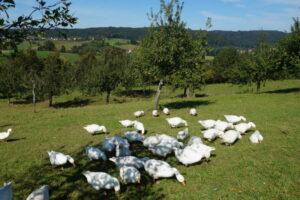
pixel 216 17
pixel 286 2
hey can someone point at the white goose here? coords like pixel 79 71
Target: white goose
pixel 127 123
pixel 234 119
pixel 166 111
pixel 161 150
pixel 202 149
pixel 155 113
pixel 193 112
pixel 130 175
pixel 195 140
pixel 161 169
pixel 122 150
pixel 222 126
pixel 40 194
pixel 139 113
pixel 129 161
pixel 102 180
pixel 139 126
pixel 151 141
pixel 169 141
pixel 4 135
pixel 183 134
pixel 256 137
pixel 95 154
pixel 244 127
pixel 108 144
pixel 176 121
pixel 134 136
pixel 58 159
pixel 6 192
pixel 230 137
pixel 207 123
pixel 95 128
pixel 188 155
pixel 211 134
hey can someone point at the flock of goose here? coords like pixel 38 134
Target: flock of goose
pixel 161 145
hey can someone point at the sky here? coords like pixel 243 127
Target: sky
pixel 226 14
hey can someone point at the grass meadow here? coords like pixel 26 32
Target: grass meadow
pixel 243 171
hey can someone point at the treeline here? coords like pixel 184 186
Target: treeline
pixel 178 61
pixel 237 39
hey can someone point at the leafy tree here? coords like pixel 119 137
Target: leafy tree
pixel 109 71
pixel 86 63
pixel 42 17
pixel 164 47
pixel 224 63
pixel 32 68
pixel 190 74
pixel 9 80
pixel 254 68
pixel 55 76
pixel 288 52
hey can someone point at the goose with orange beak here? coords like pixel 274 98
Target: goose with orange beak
pixel 161 169
pixel 59 159
pixel 130 175
pixel 102 180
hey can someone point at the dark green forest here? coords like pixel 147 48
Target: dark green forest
pixel 238 39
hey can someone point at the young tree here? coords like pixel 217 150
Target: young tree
pixel 288 55
pixel 9 80
pixel 55 76
pixel 190 74
pixel 109 71
pixel 253 68
pixel 163 49
pixel 224 63
pixel 32 68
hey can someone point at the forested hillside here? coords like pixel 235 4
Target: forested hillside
pixel 240 39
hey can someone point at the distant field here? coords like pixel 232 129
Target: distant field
pixel 118 42
pixel 270 170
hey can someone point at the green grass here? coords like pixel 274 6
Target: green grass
pixel 244 171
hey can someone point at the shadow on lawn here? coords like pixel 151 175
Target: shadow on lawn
pixel 282 91
pixel 71 184
pixel 186 104
pixel 137 93
pixel 73 103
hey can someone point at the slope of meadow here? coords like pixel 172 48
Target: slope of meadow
pixel 243 171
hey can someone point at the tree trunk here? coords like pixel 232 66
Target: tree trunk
pixel 156 100
pixel 187 92
pixel 33 98
pixel 107 96
pixel 184 92
pixel 257 86
pixel 50 100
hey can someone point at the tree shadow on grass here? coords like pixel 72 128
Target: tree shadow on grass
pixel 71 184
pixel 73 103
pixel 282 91
pixel 137 93
pixel 186 104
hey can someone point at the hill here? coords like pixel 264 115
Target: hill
pixel 238 39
